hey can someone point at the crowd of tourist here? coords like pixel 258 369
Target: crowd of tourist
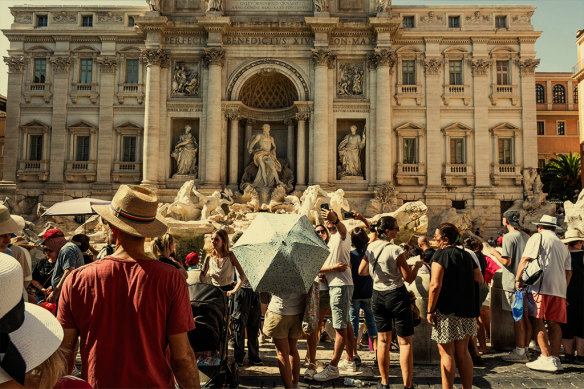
pixel 128 312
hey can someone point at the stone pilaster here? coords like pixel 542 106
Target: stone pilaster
pixel 290 143
pixel 154 59
pixel 247 137
pixel 301 117
pixel 435 157
pixel 105 137
pixel 482 142
pixel 233 117
pixel 58 149
pixel 528 113
pixel 11 134
pixel 214 58
pixel 384 61
pixel 320 147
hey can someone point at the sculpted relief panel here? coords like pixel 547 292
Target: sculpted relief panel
pixel 269 5
pixel 350 80
pixel 185 79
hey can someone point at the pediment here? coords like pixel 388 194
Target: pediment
pixel 81 124
pixel 35 123
pixel 505 126
pixel 409 126
pixel 129 125
pixel 85 48
pixel 458 126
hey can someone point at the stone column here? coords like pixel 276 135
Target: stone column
pixel 434 151
pixel 482 144
pixel 155 58
pixel 248 130
pixel 320 146
pixel 59 136
pixel 233 116
pixel 301 149
pixel 214 58
pixel 12 131
pixel 528 113
pixel 384 144
pixel 105 135
pixel 290 144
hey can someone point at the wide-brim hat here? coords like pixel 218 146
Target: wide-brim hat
pixel 134 210
pixel 39 335
pixel 572 236
pixel 10 224
pixel 547 220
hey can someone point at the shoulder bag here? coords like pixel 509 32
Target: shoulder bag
pixel 533 271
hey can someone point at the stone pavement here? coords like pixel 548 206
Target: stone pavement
pixel 492 372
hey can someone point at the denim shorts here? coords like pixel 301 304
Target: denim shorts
pixel 340 303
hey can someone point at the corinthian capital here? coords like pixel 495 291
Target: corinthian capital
pixel 157 57
pixel 107 64
pixel 433 66
pixel 15 63
pixel 302 116
pixel 480 67
pixel 384 57
pixel 232 114
pixel 214 56
pixel 321 56
pixel 528 66
pixel 60 64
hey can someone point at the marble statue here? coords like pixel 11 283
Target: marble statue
pixel 349 154
pixel 320 5
pixel 338 202
pixel 212 205
pixel 263 149
pixel 185 206
pixel 154 5
pixel 574 218
pixel 185 153
pixel 383 6
pixel 184 82
pixel 310 202
pixel 215 6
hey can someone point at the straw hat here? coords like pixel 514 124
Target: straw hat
pixel 572 236
pixel 134 211
pixel 547 220
pixel 33 331
pixel 9 224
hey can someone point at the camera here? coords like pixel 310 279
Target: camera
pixel 348 215
pixel 324 206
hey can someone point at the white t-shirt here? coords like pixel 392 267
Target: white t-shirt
pixel 340 251
pixel 287 303
pixel 386 274
pixel 556 259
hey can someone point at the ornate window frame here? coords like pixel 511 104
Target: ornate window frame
pixel 411 173
pixel 29 170
pixel 416 91
pixel 500 171
pixel 558 94
pixel 510 91
pixel 129 91
pixel 539 94
pixel 79 89
pixel 451 171
pixel 81 170
pixel 32 89
pixel 127 172
pixel 463 91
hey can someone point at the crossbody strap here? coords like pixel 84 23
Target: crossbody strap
pixel 377 257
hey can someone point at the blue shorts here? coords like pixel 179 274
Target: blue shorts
pixel 340 304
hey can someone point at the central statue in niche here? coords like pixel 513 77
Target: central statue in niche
pixel 349 154
pixel 263 149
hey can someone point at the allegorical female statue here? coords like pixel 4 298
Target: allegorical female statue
pixel 263 149
pixel 349 153
pixel 185 153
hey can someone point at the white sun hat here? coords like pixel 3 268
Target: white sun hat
pixel 34 334
pixel 10 224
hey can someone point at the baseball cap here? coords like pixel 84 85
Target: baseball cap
pixel 52 233
pixel 512 217
pixel 192 259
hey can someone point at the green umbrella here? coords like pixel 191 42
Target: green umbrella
pixel 281 253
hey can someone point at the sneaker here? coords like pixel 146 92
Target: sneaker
pixel 330 330
pixel 534 346
pixel 310 372
pixel 514 356
pixel 558 364
pixel 347 365
pixel 381 386
pixel 357 360
pixel 569 358
pixel 547 364
pixel 329 373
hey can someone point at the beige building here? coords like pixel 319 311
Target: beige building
pixel 579 76
pixel 445 95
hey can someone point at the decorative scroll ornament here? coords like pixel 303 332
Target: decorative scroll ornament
pixel 528 66
pixel 109 17
pixel 351 80
pixel 23 18
pixel 65 17
pixel 107 64
pixel 433 66
pixel 321 56
pixel 15 63
pixel 332 61
pixel 477 18
pixel 155 57
pixel 383 6
pixel 214 56
pixel 320 5
pixel 480 67
pixel 60 64
pixel 383 57
pixel 302 116
pixel 522 19
pixel 432 18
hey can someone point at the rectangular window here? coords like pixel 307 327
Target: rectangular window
pixel 40 70
pixel 454 22
pixel 409 72
pixel 410 151
pixel 131 21
pixel 459 204
pixel 540 163
pixel 42 20
pixel 505 151
pixel 85 70
pixel 87 21
pixel 455 72
pixel 408 22
pixel 131 71
pixel 561 125
pixel 82 151
pixel 129 149
pixel 500 21
pixel 35 151
pixel 540 128
pixel 503 73
pixel 457 151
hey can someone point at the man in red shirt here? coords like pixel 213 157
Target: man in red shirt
pixel 132 313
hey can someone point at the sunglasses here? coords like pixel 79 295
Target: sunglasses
pixel 320 231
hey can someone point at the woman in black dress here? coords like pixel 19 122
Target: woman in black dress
pixel 573 330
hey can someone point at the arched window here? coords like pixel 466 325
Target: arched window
pixel 539 94
pixel 559 94
pixel 576 94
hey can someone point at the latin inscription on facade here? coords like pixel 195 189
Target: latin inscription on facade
pixel 179 40
pixel 270 5
pixel 351 41
pixel 267 40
